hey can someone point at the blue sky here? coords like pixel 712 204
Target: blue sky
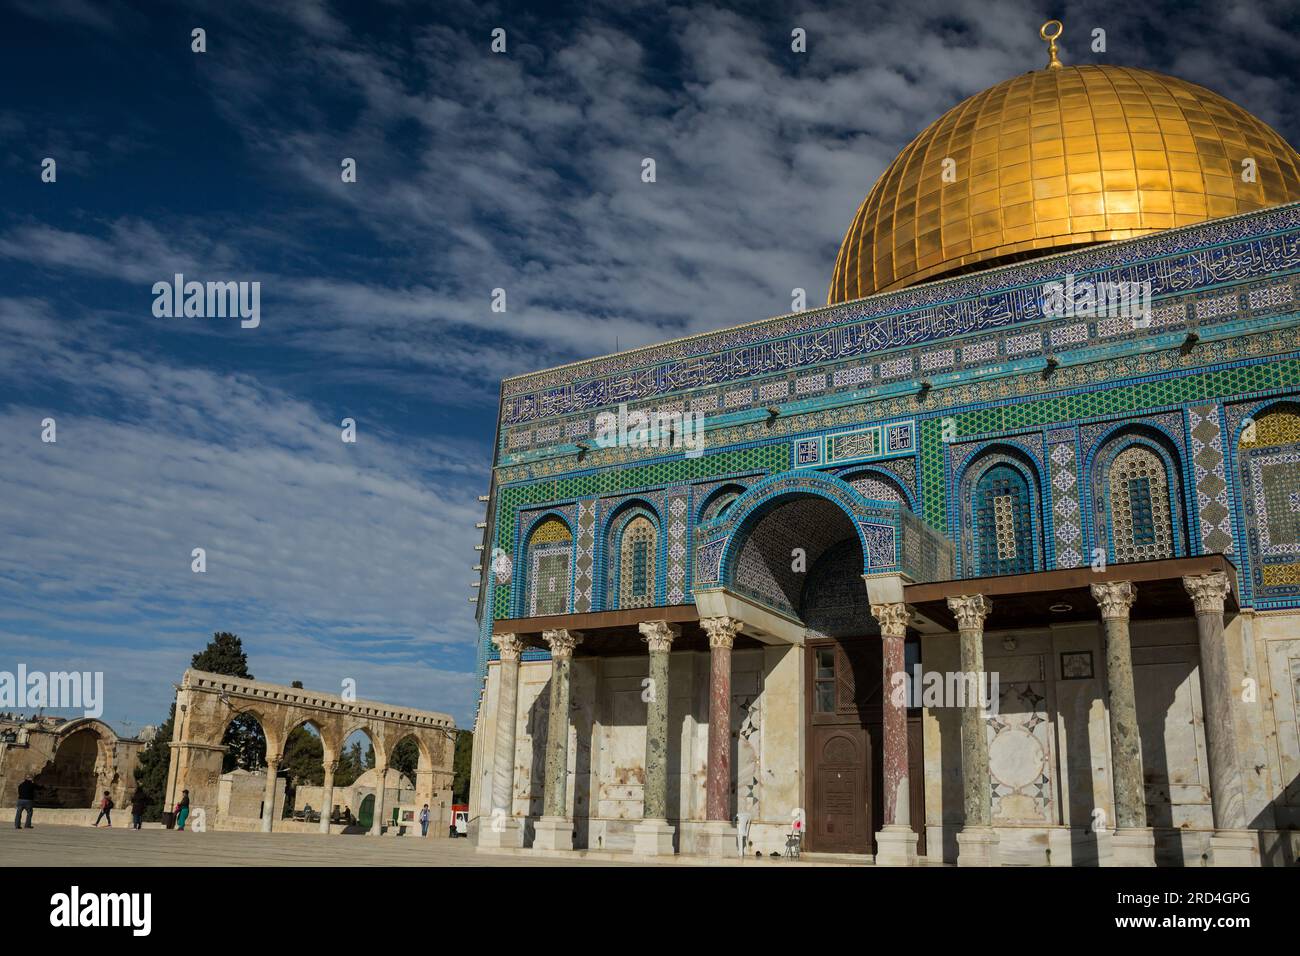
pixel 475 171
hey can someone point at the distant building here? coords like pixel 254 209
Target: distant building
pixel 72 762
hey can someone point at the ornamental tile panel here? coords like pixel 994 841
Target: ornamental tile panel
pixel 1213 504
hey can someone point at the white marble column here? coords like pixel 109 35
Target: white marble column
pixel 268 794
pixel 977 841
pixel 1233 843
pixel 1133 843
pixel 653 836
pixel 500 828
pixel 377 824
pixel 328 796
pixel 554 831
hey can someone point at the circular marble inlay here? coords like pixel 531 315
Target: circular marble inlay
pixel 1016 758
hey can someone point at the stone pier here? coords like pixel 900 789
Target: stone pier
pixel 327 796
pixel 381 773
pixel 268 795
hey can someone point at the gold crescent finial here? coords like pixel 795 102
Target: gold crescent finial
pixel 1052 62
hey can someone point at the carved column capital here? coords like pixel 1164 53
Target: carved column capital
pixel 659 635
pixel 722 631
pixel 970 611
pixel 562 642
pixel 509 645
pixel 1115 598
pixel 273 761
pixel 331 768
pixel 893 619
pixel 1208 591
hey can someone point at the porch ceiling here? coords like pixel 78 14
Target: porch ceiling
pixel 1026 600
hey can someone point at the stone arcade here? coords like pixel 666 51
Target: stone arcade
pixel 1102 510
pixel 206 704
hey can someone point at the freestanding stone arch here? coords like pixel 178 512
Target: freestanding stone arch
pixel 206 703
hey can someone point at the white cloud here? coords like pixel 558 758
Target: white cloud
pixel 310 542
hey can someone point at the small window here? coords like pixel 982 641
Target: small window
pixel 824 680
pixel 1139 502
pixel 636 583
pixel 639 550
pixel 1002 523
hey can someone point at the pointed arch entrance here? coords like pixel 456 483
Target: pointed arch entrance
pixel 794 553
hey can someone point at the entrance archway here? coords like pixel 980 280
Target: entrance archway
pixel 802 552
pixel 70 780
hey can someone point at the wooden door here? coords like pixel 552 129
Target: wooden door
pixel 844 724
pixel 916 778
pixel 841 820
pixel 842 774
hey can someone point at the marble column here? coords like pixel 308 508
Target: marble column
pixel 377 824
pixel 1233 843
pixel 719 835
pixel 500 828
pixel 327 797
pixel 268 793
pixel 554 831
pixel 896 841
pixel 977 841
pixel 653 836
pixel 1133 843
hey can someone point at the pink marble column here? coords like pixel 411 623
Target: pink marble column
pixel 895 841
pixel 893 620
pixel 722 635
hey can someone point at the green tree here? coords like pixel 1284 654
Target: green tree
pixel 352 764
pixel 223 655
pixel 151 769
pixel 406 757
pixel 460 767
pixel 245 745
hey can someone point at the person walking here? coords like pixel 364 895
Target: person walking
pixel 105 810
pixel 183 813
pixel 139 803
pixel 26 800
pixel 424 821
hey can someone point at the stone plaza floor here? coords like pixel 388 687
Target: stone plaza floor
pixel 64 846
pixel 121 846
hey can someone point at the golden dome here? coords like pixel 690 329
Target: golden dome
pixel 1057 158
